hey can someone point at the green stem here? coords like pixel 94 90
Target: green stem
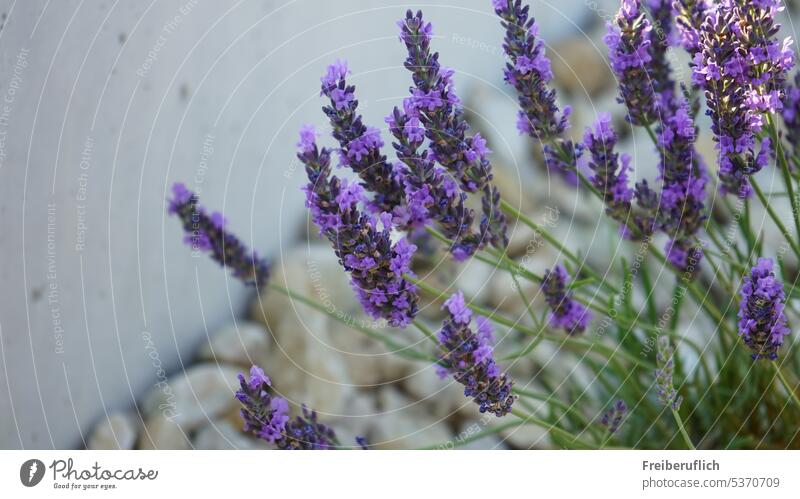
pixel 682 429
pixel 573 440
pixel 787 178
pixel 774 216
pixel 786 385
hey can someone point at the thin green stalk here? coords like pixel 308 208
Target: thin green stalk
pixel 399 349
pixel 774 216
pixel 682 429
pixel 572 439
pixel 787 178
pixel 786 385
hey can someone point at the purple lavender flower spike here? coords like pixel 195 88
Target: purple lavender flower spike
pixel 360 145
pixel 689 17
pixel 565 312
pixel 206 234
pixel 791 114
pixel 528 71
pixel 432 195
pixel 629 49
pixel 762 323
pixel 613 417
pixel 267 417
pixel 468 357
pixel 682 210
pixel 665 386
pixel 376 266
pixel 435 104
pixel 610 177
pixel 661 38
pixel 742 70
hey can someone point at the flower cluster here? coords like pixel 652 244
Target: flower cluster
pixel 565 312
pixel 665 387
pixel 661 37
pixel 267 417
pixel 630 45
pixel 467 355
pixel 614 415
pixel 742 70
pixel 762 323
pixel 360 145
pixel 206 233
pixel 682 210
pixel 528 71
pixel 431 194
pixel 610 178
pixel 434 103
pixel 689 17
pixel 791 114
pixel 375 264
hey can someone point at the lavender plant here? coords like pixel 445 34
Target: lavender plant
pixel 657 329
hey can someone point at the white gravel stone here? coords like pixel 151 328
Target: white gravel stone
pixel 117 431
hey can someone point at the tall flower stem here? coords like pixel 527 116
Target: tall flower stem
pixel 571 439
pixel 682 429
pixel 787 177
pixel 774 216
pixel 556 244
pixel 789 388
pixel 398 348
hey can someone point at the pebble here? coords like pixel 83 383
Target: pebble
pixel 190 399
pixel 222 435
pixel 243 344
pixel 406 424
pixel 117 431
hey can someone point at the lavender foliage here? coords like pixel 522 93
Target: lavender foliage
pixel 467 356
pixel 207 234
pixel 762 322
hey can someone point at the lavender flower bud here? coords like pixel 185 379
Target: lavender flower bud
pixel 762 323
pixel 689 17
pixel 610 177
pixel 431 194
pixel 661 35
pixel 528 71
pixel 614 415
pixel 791 114
pixel 434 102
pixel 468 357
pixel 665 387
pixel 267 417
pixel 206 233
pixel 682 210
pixel 629 49
pixel 742 71
pixel 360 145
pixel 376 266
pixel 565 312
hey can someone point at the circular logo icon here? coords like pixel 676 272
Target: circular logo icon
pixel 31 472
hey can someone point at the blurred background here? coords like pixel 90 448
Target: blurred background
pixel 111 333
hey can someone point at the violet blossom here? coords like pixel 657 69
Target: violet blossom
pixel 762 323
pixel 565 312
pixel 207 234
pixel 365 249
pixel 468 358
pixel 360 145
pixel 528 71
